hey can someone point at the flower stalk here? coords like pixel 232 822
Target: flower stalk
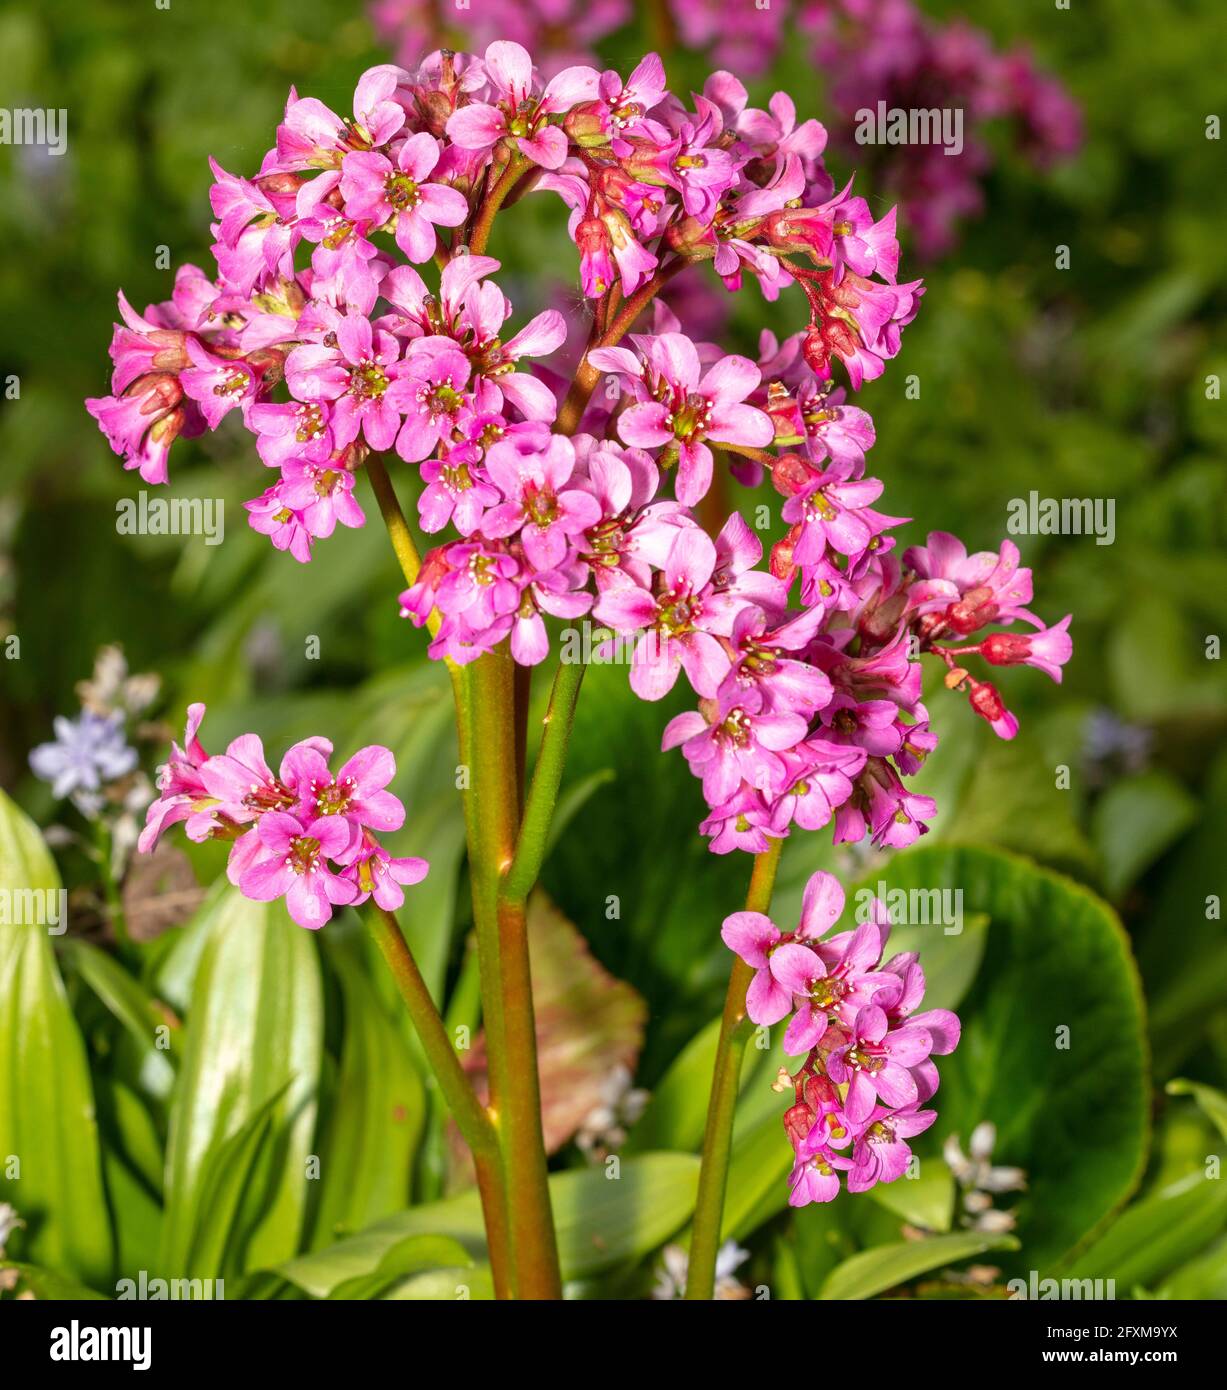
pixel 735 1028
pixel 471 1117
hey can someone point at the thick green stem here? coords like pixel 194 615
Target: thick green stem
pixel 735 1028
pixel 486 716
pixel 471 1118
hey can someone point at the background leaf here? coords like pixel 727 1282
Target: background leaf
pixel 254 1030
pixel 47 1119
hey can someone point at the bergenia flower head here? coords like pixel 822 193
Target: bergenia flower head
pixel 302 833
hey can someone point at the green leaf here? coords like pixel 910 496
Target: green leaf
pixel 137 1216
pixel 1158 1234
pixel 409 1257
pixel 47 1118
pixel 1203 1278
pixel 1212 1102
pixel 886 1266
pixel 254 1031
pixel 375 1121
pixel 601 1222
pixel 1134 821
pixel 926 1200
pixel 460 1282
pixel 1053 1049
pixel 675 1115
pixel 214 1246
pixel 131 1005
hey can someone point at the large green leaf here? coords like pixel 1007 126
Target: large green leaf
pixel 601 1220
pixel 886 1266
pixel 407 1259
pixel 1071 1108
pixel 254 1030
pixel 50 1165
pixel 376 1117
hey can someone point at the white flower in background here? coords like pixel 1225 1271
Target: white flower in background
pixel 979 1179
pixel 671 1276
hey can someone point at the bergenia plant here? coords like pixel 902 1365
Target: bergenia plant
pixel 356 325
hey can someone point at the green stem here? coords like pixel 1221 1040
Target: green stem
pixel 110 888
pixel 547 778
pixel 471 1118
pixel 486 716
pixel 735 1028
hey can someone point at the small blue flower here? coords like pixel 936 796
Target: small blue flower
pixel 87 752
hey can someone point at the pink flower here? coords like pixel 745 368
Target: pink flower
pixel 547 514
pixel 968 591
pixel 377 191
pixel 182 793
pixel 312 136
pixel 292 863
pixel 217 384
pixel 881 1153
pixel 518 113
pixel 271 516
pixel 430 391
pixel 376 874
pixel 740 744
pixel 145 421
pixel 874 1064
pixel 841 988
pixel 356 375
pixel 1047 650
pixel 356 794
pixel 754 937
pixel 321 495
pixel 683 407
pixel 681 621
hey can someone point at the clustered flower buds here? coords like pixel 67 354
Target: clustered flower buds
pixel 301 834
pixel 868 1064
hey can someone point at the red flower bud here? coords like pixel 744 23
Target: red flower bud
pixel 1005 648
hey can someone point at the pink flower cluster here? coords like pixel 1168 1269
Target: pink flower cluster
pixel 868 1064
pixel 301 834
pixel 804 714
pixel 876 50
